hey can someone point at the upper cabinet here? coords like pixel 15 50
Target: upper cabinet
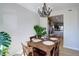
pixel 56 22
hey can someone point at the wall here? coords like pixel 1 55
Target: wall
pixel 71 29
pixel 44 23
pixel 18 22
pixel 0 19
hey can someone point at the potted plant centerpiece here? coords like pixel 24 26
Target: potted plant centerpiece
pixel 40 31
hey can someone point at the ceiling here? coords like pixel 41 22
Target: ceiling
pixel 54 6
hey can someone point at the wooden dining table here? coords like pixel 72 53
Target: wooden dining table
pixel 43 47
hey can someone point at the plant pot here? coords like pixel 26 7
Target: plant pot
pixel 38 36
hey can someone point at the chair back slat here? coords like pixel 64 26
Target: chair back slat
pixel 27 50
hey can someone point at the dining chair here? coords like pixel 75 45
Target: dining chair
pixel 32 37
pixel 56 49
pixel 27 51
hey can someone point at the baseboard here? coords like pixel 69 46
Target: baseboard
pixel 71 48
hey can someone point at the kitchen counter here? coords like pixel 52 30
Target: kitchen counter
pixel 57 33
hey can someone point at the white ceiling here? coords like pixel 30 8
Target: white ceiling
pixel 54 6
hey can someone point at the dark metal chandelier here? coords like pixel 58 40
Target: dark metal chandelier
pixel 45 12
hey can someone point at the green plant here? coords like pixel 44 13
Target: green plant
pixel 40 31
pixel 4 51
pixel 4 42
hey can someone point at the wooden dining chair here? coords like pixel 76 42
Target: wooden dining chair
pixel 32 37
pixel 56 49
pixel 27 51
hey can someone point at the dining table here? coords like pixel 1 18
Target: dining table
pixel 44 47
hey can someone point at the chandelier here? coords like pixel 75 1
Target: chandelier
pixel 45 12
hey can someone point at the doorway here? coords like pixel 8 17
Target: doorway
pixel 56 27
